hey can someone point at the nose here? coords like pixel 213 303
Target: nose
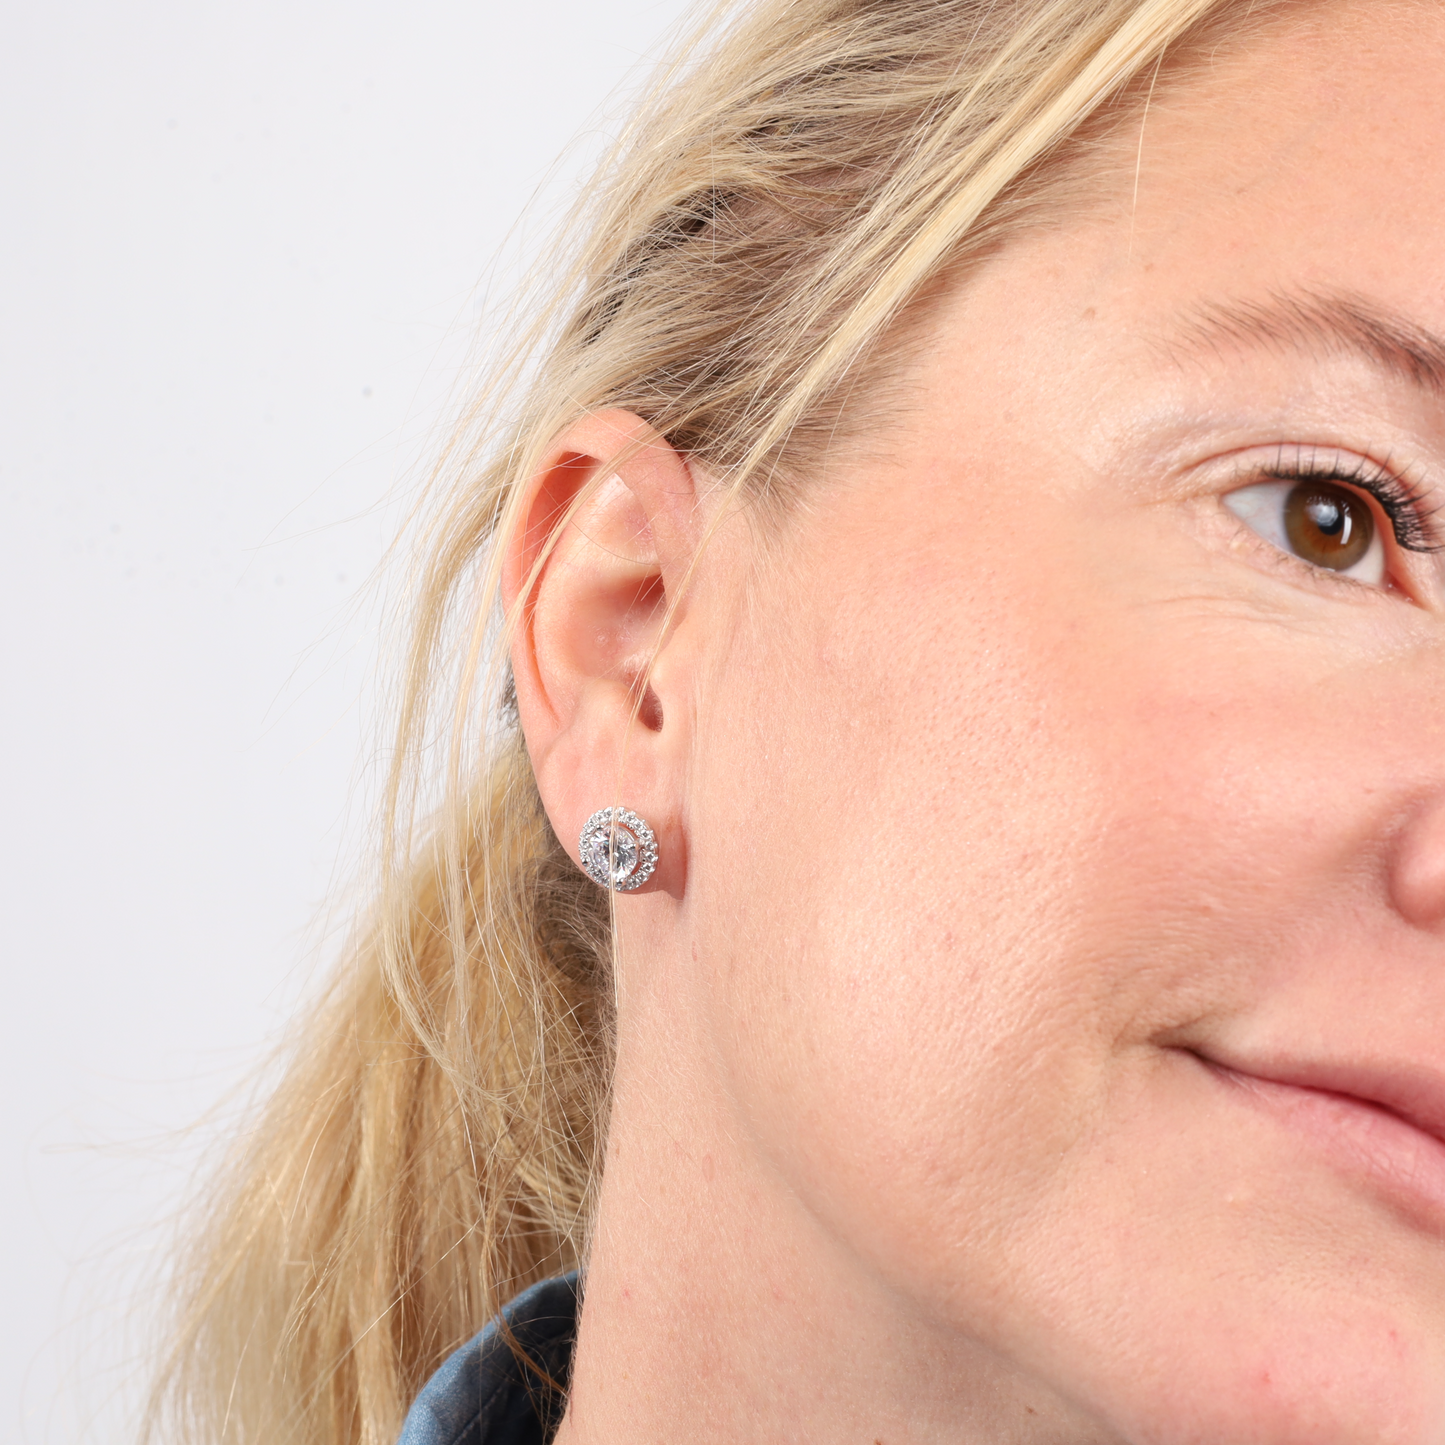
pixel 1417 882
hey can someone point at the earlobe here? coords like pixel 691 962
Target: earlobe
pixel 591 582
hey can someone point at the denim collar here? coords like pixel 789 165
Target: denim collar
pixel 483 1395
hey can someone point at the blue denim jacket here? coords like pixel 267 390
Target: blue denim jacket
pixel 483 1395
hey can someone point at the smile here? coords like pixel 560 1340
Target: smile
pixel 1382 1125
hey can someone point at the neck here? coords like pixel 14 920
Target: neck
pixel 718 1307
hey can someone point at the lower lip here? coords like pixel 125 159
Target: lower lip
pixel 1359 1138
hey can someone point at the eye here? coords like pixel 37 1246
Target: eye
pixel 1320 522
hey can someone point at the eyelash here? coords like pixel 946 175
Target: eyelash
pixel 1402 502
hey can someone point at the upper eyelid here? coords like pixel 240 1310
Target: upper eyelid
pixel 1401 495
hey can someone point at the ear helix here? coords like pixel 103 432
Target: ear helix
pixel 618 850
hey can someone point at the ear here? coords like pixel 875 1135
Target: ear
pixel 601 692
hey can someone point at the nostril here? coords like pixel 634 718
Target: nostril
pixel 1417 883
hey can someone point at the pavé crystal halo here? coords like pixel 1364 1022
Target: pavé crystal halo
pixel 617 849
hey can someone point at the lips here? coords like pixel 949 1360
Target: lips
pixel 1384 1123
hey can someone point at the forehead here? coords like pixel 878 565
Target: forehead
pixel 1281 195
pixel 1305 157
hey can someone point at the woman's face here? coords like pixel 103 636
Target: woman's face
pixel 1066 826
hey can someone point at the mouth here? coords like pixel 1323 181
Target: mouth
pixel 1385 1126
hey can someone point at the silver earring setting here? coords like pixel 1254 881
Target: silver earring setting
pixel 618 849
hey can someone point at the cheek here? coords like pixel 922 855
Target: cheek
pixel 897 810
pixel 966 849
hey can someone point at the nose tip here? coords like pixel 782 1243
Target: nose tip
pixel 1417 882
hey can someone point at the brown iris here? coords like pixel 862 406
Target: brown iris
pixel 1327 525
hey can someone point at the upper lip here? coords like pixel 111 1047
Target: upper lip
pixel 1413 1093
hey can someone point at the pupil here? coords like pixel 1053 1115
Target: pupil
pixel 1328 516
pixel 1328 525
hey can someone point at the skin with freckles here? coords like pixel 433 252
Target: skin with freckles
pixel 1033 1031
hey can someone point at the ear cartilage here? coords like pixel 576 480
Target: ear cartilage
pixel 617 849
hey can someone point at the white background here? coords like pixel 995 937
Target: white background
pixel 240 250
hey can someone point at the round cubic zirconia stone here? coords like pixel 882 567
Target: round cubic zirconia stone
pixel 624 854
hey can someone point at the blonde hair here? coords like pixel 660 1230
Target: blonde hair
pixel 805 170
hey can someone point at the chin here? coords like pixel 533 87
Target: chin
pixel 1302 1378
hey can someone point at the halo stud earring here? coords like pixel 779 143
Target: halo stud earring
pixel 618 849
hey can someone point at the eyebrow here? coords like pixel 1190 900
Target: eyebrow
pixel 1324 325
